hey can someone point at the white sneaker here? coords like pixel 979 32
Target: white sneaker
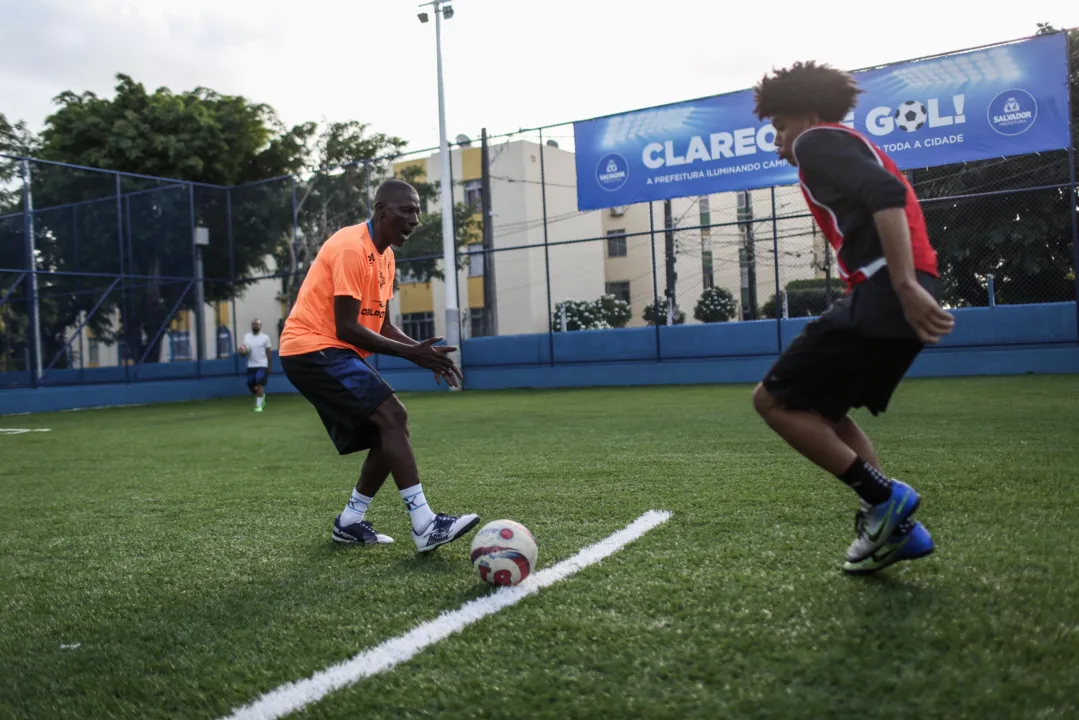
pixel 444 529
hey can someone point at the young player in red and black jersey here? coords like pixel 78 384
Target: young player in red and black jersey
pixel 856 353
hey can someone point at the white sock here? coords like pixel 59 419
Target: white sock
pixel 416 503
pixel 260 401
pixel 356 509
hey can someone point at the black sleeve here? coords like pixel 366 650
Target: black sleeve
pixel 843 161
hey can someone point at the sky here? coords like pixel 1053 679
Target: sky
pixel 508 64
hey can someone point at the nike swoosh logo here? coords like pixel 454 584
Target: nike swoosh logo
pixel 892 510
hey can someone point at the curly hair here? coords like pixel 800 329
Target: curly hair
pixel 806 88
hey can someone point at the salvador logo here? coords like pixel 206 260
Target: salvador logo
pixel 1012 112
pixel 612 172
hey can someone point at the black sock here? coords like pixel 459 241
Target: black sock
pixel 868 482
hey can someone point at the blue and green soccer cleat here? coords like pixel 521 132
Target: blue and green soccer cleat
pixel 880 522
pixel 899 546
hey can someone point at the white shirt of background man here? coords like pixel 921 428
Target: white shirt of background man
pixel 259 345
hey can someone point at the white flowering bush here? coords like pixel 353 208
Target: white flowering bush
pixel 652 312
pixel 616 312
pixel 716 304
pixel 578 315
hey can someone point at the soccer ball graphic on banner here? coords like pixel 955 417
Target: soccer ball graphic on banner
pixel 910 116
pixel 504 552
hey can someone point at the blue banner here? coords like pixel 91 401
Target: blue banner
pixel 1000 101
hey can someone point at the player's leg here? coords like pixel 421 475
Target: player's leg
pixel 261 377
pixel 252 386
pixel 429 530
pixel 372 476
pixel 309 375
pixel 856 439
pixel 826 371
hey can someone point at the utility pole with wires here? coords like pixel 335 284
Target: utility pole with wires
pixel 747 255
pixel 672 276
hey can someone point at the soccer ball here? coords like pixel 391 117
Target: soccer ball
pixel 910 116
pixel 243 350
pixel 504 552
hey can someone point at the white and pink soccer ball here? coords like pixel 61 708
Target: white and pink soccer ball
pixel 504 552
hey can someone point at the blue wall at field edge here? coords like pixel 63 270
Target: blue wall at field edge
pixel 1003 340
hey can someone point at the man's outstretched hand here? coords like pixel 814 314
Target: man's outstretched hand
pixel 436 358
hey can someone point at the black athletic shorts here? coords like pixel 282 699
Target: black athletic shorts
pixel 344 389
pixel 854 355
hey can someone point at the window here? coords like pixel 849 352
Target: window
pixel 475 260
pixel 94 351
pixel 707 276
pixel 418 326
pixel 179 345
pixel 476 317
pixel 474 194
pixel 616 243
pixel 706 211
pixel 619 289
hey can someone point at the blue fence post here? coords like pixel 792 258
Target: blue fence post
pixel 232 280
pixel 34 366
pixel 775 259
pixel 655 280
pixel 1073 194
pixel 130 267
pixel 546 253
pixel 200 299
pixel 295 237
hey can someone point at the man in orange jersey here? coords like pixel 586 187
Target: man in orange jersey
pixel 339 319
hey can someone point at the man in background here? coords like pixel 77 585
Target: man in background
pixel 258 348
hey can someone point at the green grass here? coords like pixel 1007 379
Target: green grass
pixel 186 549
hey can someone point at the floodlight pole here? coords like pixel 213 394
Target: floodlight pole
pixel 449 244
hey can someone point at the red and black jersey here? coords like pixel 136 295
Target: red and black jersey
pixel 845 179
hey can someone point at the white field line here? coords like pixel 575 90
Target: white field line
pixel 22 431
pixel 297 695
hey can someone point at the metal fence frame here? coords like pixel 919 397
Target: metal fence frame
pixel 31 274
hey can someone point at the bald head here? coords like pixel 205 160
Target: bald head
pixel 397 213
pixel 392 188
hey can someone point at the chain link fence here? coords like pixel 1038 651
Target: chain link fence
pixel 104 276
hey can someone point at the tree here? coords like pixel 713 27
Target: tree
pixel 350 163
pixel 716 304
pixel 659 310
pixel 14 140
pixel 1022 239
pixel 197 135
pixel 421 256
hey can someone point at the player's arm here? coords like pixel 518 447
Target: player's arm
pixel 393 332
pixel 347 283
pixel 923 312
pixel 269 357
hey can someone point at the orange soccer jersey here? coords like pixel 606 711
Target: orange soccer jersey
pixel 347 264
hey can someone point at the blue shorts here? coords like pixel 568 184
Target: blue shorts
pixel 344 389
pixel 257 376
